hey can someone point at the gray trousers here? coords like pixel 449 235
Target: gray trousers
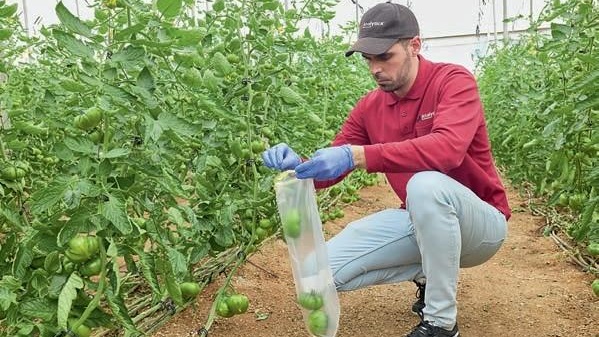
pixel 445 227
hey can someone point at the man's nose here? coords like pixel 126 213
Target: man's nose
pixel 375 68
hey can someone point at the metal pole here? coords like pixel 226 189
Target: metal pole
pixel 531 12
pixel 25 16
pixel 505 27
pixel 494 21
pixel 357 18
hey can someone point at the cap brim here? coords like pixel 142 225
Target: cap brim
pixel 371 45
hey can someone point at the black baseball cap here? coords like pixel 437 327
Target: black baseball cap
pixel 381 27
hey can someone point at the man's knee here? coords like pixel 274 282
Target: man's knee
pixel 424 184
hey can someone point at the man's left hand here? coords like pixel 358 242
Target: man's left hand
pixel 327 163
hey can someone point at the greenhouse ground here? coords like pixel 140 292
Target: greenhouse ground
pixel 528 289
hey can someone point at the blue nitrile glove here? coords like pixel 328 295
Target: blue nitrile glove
pixel 281 157
pixel 327 163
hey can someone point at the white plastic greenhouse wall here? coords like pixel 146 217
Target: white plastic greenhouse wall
pixel 457 31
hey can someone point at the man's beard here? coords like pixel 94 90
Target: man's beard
pixel 402 79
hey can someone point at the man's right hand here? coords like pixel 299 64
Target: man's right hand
pixel 281 157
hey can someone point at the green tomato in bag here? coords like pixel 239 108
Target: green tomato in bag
pixel 310 300
pixel 318 322
pixel 291 224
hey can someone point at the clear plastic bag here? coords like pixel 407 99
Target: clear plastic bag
pixel 302 229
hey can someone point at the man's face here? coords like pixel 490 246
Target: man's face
pixel 396 69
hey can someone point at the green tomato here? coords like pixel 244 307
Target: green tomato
pixel 13 173
pixel 257 146
pixel 89 120
pixel 291 224
pixel 222 309
pixel 82 330
pixel 318 321
pixel 595 287
pixel 261 233
pixel 265 223
pixel 190 290
pixel 238 303
pixel 233 58
pixel 82 248
pixel 310 300
pixel 94 267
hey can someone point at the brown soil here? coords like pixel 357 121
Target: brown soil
pixel 528 289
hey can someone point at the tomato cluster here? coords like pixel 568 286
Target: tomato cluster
pixel 318 320
pixel 89 120
pixel 230 305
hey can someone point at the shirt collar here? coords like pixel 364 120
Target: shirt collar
pixel 417 89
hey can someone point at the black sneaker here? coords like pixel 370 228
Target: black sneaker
pixel 418 306
pixel 426 329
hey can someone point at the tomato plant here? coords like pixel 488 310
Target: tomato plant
pixel 542 125
pixel 130 150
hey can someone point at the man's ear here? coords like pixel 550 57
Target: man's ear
pixel 416 45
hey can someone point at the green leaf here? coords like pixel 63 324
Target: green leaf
pixel 72 44
pixel 115 211
pixel 117 93
pixel 129 54
pixel 115 153
pixel 549 128
pixel 180 126
pixel 71 22
pixel 119 310
pixel 5 34
pixel 45 198
pixel 171 283
pixel 42 308
pixel 153 129
pixel 52 262
pixel 560 31
pixel 81 145
pixel 8 11
pixel 11 217
pixel 148 269
pixel 146 80
pixel 175 216
pixel 78 222
pixel 169 8
pixel 22 261
pixel 145 96
pixel 178 263
pixel 65 300
pixel 7 297
pixel 589 79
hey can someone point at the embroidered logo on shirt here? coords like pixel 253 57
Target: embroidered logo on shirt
pixel 427 115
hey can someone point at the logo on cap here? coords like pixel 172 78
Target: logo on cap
pixel 372 24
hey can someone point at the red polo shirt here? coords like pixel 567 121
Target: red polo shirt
pixel 438 126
